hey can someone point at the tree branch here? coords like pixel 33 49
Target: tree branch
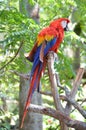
pixel 72 102
pixel 71 95
pixel 62 114
pixel 78 125
pixel 55 93
pixel 77 82
pixel 53 81
pixel 12 57
pixel 76 105
pixel 45 93
pixel 24 76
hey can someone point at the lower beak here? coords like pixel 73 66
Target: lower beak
pixel 66 28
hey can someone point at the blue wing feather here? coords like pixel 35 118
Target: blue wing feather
pixel 37 61
pixel 49 45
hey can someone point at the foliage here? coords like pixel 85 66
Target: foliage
pixel 16 28
pixel 50 123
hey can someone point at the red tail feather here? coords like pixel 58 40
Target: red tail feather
pixel 30 94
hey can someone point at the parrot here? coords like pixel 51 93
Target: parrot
pixel 48 39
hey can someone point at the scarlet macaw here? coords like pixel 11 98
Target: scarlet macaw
pixel 48 39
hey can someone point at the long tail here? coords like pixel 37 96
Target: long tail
pixel 33 85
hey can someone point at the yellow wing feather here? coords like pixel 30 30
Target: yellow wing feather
pixel 47 34
pixel 41 39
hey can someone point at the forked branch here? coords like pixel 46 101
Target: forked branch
pixel 61 113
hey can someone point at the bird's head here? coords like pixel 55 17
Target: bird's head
pixel 61 22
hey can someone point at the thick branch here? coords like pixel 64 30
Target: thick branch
pixel 78 125
pixel 53 81
pixel 55 93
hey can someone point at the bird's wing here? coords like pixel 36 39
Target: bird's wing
pixel 44 37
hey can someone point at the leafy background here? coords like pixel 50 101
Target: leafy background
pixel 17 30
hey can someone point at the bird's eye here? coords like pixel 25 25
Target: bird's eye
pixel 64 24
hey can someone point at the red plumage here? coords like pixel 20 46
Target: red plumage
pixel 48 39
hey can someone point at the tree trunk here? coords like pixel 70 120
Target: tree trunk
pixel 32 121
pixel 77 30
pixel 76 63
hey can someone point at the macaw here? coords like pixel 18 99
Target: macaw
pixel 48 39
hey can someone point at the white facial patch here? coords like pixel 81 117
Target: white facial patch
pixel 64 23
